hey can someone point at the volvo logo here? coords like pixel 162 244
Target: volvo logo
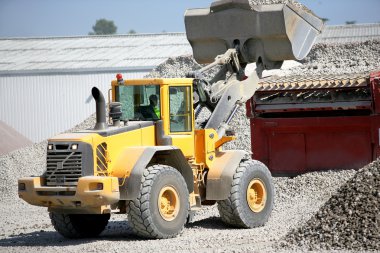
pixel 59 166
pixel 59 179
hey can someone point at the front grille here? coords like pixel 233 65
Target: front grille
pixel 63 168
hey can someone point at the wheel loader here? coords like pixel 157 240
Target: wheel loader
pixel 149 159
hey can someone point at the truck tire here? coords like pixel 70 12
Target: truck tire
pixel 251 198
pixel 79 225
pixel 161 208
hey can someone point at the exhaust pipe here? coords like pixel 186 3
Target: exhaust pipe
pixel 101 123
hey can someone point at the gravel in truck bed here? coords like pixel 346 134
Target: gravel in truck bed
pixel 27 228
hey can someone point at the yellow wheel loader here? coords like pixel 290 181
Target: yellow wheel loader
pixel 149 160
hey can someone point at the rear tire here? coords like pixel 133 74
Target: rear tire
pixel 161 209
pixel 251 198
pixel 79 225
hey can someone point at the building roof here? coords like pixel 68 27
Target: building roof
pixel 86 53
pixel 350 33
pixel 124 52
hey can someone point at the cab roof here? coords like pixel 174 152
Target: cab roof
pixel 155 81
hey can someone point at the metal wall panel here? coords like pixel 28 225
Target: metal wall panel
pixel 41 106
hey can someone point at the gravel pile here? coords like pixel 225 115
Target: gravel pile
pixel 20 163
pixel 175 67
pixel 349 220
pixel 339 59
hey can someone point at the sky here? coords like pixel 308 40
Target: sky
pixel 41 18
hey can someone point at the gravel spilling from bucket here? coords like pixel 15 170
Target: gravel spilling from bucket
pixel 253 3
pixel 349 220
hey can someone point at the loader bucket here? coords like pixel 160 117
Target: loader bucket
pixel 265 33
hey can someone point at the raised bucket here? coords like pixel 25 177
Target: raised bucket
pixel 266 33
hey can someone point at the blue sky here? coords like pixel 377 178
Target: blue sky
pixel 26 18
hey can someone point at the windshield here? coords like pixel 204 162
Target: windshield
pixel 139 102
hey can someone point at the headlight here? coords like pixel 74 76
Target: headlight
pixel 74 146
pixel 50 147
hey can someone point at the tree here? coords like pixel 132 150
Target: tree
pixel 103 26
pixel 351 22
pixel 131 31
pixel 325 20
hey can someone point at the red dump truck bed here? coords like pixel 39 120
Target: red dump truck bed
pixel 325 123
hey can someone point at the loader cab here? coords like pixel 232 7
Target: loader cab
pixel 172 114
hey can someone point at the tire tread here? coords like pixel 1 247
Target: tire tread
pixel 72 227
pixel 139 216
pixel 229 209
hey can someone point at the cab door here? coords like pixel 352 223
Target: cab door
pixel 181 118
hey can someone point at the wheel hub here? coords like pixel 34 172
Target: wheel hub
pixel 256 195
pixel 168 203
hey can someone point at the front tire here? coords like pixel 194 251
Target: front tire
pixel 161 209
pixel 79 225
pixel 251 198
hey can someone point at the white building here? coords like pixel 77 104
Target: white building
pixel 45 83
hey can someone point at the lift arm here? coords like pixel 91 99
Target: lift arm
pixel 226 92
pixel 229 35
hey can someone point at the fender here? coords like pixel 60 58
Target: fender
pixel 133 161
pixel 219 177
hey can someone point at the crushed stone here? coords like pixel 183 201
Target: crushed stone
pixel 349 220
pixel 254 3
pixel 338 59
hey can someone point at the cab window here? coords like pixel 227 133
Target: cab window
pixel 139 102
pixel 180 107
